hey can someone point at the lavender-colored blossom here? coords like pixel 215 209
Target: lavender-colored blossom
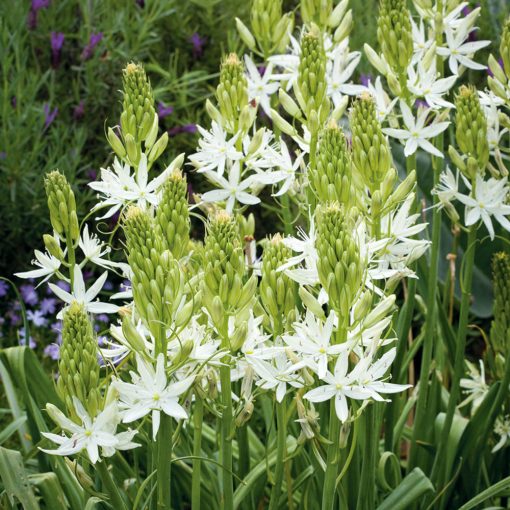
pixel 94 40
pixel 49 116
pixel 140 3
pixel 23 339
pixel 4 288
pixel 36 317
pixel 108 285
pixel 102 317
pixel 64 285
pixel 198 44
pixel 52 351
pixel 57 41
pixel 164 111
pixel 186 128
pixel 29 294
pixel 88 275
pixel 48 306
pixel 365 79
pixel 35 7
pixel 79 110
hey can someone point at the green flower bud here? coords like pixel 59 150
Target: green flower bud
pixel 232 92
pixel 224 264
pixel 245 34
pixel 53 246
pixel 371 154
pixel 504 47
pixel 116 144
pixel 282 124
pixel 312 75
pixel 471 127
pixel 270 28
pixel 132 335
pixel 394 34
pixel 158 148
pixel 339 263
pixel 62 205
pixel 172 214
pixel 277 290
pixel 158 281
pixel 138 103
pixel 316 11
pixel 500 327
pixel 78 366
pixel 344 29
pixel 332 175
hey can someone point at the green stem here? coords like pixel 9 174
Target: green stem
pixel 280 454
pixel 198 416
pixel 438 470
pixel 71 259
pixel 333 455
pixel 226 429
pixel 366 494
pixel 115 497
pixel 163 462
pixel 287 216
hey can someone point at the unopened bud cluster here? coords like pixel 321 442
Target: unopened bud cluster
pixel 277 290
pixel 78 365
pixel 62 205
pixel 339 262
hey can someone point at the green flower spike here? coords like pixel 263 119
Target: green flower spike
pixel 158 282
pixel 232 93
pixel 504 47
pixel 78 366
pixel 62 205
pixel 316 11
pixel 394 34
pixel 331 179
pixel 277 290
pixel 500 328
pixel 471 131
pixel 339 264
pixel 371 153
pixel 172 214
pixel 311 89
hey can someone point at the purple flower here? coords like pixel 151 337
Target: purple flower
pixel 108 285
pixel 94 40
pixel 29 294
pixel 48 306
pixel 140 3
pixel 49 116
pixel 164 111
pixel 365 79
pixel 63 285
pixel 421 103
pixel 57 41
pixel 35 7
pixel 37 318
pixel 187 128
pixel 198 44
pixel 14 101
pixel 102 317
pixel 79 110
pixel 52 351
pixel 23 340
pixel 4 288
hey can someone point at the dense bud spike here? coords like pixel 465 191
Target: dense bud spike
pixel 270 28
pixel 62 205
pixel 471 129
pixel 504 47
pixel 78 365
pixel 311 81
pixel 394 34
pixel 172 214
pixel 277 290
pixel 139 113
pixel 371 154
pixel 331 178
pixel 339 262
pixel 500 328
pixel 232 92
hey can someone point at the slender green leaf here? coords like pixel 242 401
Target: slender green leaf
pixel 490 492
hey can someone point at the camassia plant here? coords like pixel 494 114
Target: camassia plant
pixel 280 373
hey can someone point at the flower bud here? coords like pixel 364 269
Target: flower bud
pixel 53 247
pixel 316 11
pixel 311 80
pixel 344 29
pixel 289 104
pixel 62 205
pixel 331 178
pixel 338 13
pixel 138 102
pixel 277 290
pixel 339 265
pixel 245 34
pixel 504 47
pixel 378 62
pixel 78 366
pixel 456 159
pixel 132 335
pixel 282 124
pixel 158 148
pixel 245 414
pixel 394 34
pixel 371 153
pixel 232 92
pixel 116 144
pixel 172 214
pixel 471 127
